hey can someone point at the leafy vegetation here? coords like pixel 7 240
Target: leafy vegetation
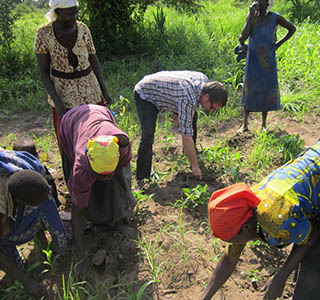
pixel 202 39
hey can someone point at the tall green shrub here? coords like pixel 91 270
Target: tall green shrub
pixel 7 19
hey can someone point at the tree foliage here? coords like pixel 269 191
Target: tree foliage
pixel 114 24
pixel 7 19
pixel 303 9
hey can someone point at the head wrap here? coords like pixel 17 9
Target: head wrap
pixel 270 4
pixel 103 154
pixel 229 209
pixel 53 4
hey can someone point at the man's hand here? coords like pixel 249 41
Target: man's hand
pixel 274 288
pixel 196 172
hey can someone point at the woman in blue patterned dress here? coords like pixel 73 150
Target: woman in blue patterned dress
pixel 283 209
pixel 261 90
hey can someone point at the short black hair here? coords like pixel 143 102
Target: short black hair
pixel 216 91
pixel 28 187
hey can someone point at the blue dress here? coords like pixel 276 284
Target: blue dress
pixel 261 90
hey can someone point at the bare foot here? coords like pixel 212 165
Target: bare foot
pixel 242 129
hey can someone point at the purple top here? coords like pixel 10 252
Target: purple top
pixel 78 125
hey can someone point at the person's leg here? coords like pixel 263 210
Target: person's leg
pixel 245 120
pixel 264 119
pixel 244 126
pixel 147 113
pixel 194 127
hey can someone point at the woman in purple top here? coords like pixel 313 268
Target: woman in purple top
pixel 80 127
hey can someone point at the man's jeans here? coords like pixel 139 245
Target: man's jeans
pixel 148 114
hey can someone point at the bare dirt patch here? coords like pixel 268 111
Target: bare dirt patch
pixel 174 247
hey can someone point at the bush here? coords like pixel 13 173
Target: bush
pixel 7 19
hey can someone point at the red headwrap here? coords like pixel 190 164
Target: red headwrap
pixel 229 209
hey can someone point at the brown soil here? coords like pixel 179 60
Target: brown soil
pixel 179 243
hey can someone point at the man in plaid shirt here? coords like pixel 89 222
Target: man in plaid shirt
pixel 180 92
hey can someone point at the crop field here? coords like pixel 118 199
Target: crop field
pixel 170 253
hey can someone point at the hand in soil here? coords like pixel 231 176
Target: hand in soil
pixel 196 172
pixel 81 269
pixel 273 288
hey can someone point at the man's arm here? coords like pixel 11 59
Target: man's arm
pixel 276 284
pixel 190 152
pixel 222 272
pixel 43 61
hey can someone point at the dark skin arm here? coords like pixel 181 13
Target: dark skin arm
pixel 97 71
pixel 7 265
pixel 276 284
pixel 248 25
pixel 77 223
pixel 43 61
pixel 120 176
pixel 123 141
pixel 287 25
pixel 280 21
pixel 222 272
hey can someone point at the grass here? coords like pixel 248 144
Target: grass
pixel 202 42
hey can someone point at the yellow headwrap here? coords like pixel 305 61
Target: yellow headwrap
pixel 103 154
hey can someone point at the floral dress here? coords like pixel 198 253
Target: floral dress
pixel 77 91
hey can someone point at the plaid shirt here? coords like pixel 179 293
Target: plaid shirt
pixel 178 91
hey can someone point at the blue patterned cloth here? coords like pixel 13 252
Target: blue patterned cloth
pixel 28 219
pixel 12 161
pixel 290 199
pixel 261 90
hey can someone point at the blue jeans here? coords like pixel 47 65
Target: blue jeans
pixel 148 114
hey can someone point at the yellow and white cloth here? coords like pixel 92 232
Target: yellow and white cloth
pixel 103 154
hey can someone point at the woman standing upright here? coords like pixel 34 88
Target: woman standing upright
pixel 261 90
pixel 67 61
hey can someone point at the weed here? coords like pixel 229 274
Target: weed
pixel 193 198
pixel 290 146
pixel 253 275
pixel 151 251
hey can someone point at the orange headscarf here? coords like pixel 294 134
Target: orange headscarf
pixel 229 209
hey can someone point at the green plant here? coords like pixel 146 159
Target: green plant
pixel 290 146
pixel 193 198
pixel 151 251
pixel 254 275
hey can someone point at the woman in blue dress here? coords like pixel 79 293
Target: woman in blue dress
pixel 261 90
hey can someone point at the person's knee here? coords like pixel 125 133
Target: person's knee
pixel 147 137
